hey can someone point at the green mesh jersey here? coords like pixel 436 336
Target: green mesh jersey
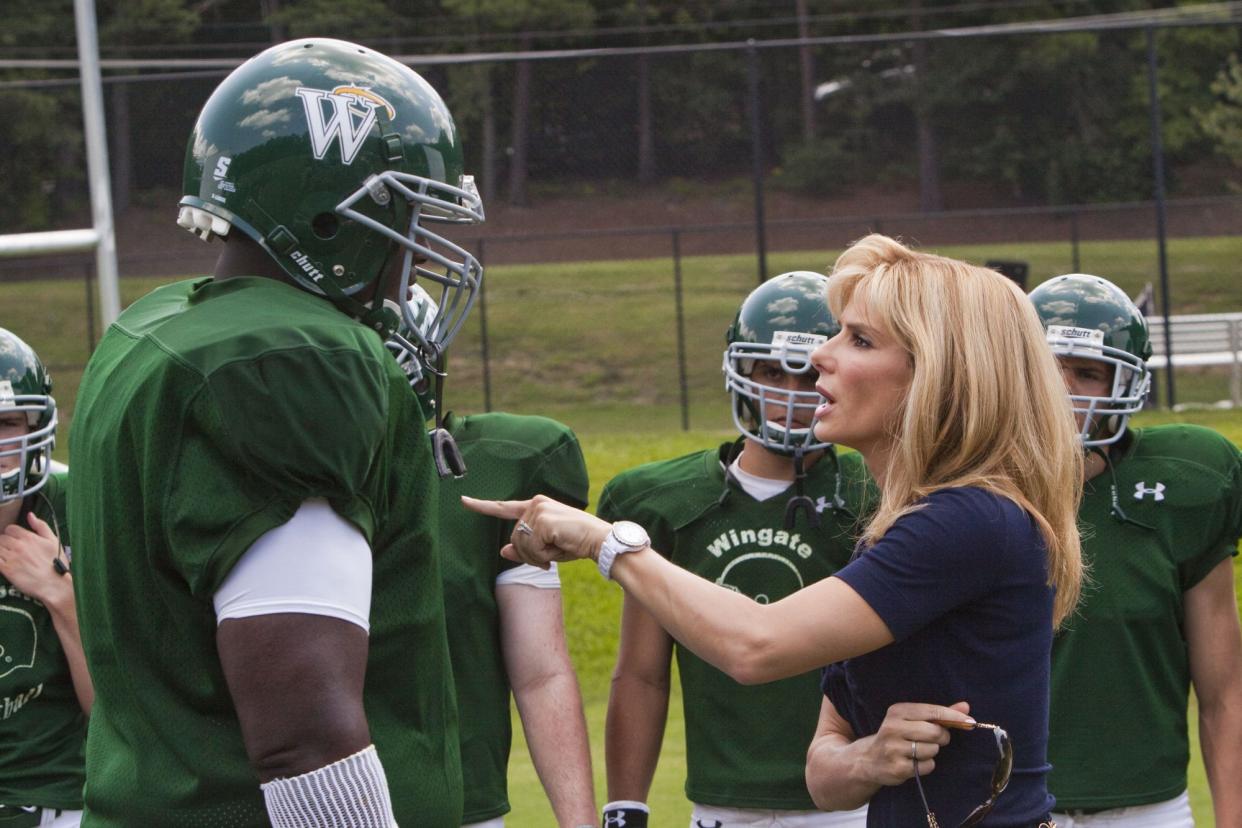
pixel 1120 674
pixel 508 457
pixel 208 413
pixel 745 746
pixel 42 727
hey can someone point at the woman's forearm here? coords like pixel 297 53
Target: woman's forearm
pixel 753 643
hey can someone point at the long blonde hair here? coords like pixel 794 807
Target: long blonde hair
pixel 986 407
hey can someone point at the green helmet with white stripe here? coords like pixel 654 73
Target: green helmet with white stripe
pixel 781 321
pixel 343 165
pixel 1088 317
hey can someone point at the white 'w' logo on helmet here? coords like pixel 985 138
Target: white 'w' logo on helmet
pixel 353 115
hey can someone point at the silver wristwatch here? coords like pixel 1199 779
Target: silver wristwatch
pixel 626 536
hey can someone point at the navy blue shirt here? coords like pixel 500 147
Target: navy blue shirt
pixel 962 586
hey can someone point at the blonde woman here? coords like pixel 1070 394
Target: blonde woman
pixel 943 382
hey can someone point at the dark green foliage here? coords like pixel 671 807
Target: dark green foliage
pixel 822 167
pixel 1222 121
pixel 355 20
pixel 1038 119
pixel 41 167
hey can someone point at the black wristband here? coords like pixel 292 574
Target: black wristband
pixel 624 817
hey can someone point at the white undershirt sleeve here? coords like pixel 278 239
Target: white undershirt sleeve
pixel 527 575
pixel 318 564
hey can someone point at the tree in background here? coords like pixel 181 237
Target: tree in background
pixel 126 27
pixel 1222 121
pixel 1034 119
pixel 522 18
pixel 356 20
pixel 42 165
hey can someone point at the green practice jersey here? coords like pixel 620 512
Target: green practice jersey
pixel 1120 673
pixel 42 727
pixel 745 746
pixel 508 457
pixel 209 412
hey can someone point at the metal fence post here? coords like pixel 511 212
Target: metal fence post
pixel 1157 163
pixel 756 142
pixel 487 371
pixel 1235 375
pixel 681 332
pixel 1074 237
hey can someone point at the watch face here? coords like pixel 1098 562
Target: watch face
pixel 629 533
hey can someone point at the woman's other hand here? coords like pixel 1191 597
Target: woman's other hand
pixel 910 732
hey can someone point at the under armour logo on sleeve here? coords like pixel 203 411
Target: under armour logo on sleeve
pixel 1140 490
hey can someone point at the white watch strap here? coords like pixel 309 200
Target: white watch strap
pixel 608 552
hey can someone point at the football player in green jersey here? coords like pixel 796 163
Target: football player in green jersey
pixel 506 630
pixel 255 520
pixel 45 691
pixel 1161 513
pixel 763 515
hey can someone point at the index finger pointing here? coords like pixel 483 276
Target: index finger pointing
pixel 508 509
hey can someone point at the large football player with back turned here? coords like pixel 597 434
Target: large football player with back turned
pixel 255 519
pixel 1161 514
pixel 765 515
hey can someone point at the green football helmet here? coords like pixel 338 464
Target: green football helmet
pixel 25 387
pixel 336 159
pixel 781 321
pixel 1089 317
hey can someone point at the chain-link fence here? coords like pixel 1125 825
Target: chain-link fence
pixel 619 182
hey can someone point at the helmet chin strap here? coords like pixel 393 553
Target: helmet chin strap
pixel 800 502
pixel 444 450
pixel 1106 454
pixel 385 318
pixel 382 317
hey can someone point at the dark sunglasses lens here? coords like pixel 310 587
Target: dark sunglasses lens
pixel 1000 776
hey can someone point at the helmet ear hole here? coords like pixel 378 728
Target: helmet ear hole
pixel 325 225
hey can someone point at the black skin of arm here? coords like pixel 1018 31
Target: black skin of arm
pixel 296 682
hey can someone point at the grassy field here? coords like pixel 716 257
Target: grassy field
pixel 543 319
pixel 595 345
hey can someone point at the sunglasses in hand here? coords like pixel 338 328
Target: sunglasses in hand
pixel 1000 774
